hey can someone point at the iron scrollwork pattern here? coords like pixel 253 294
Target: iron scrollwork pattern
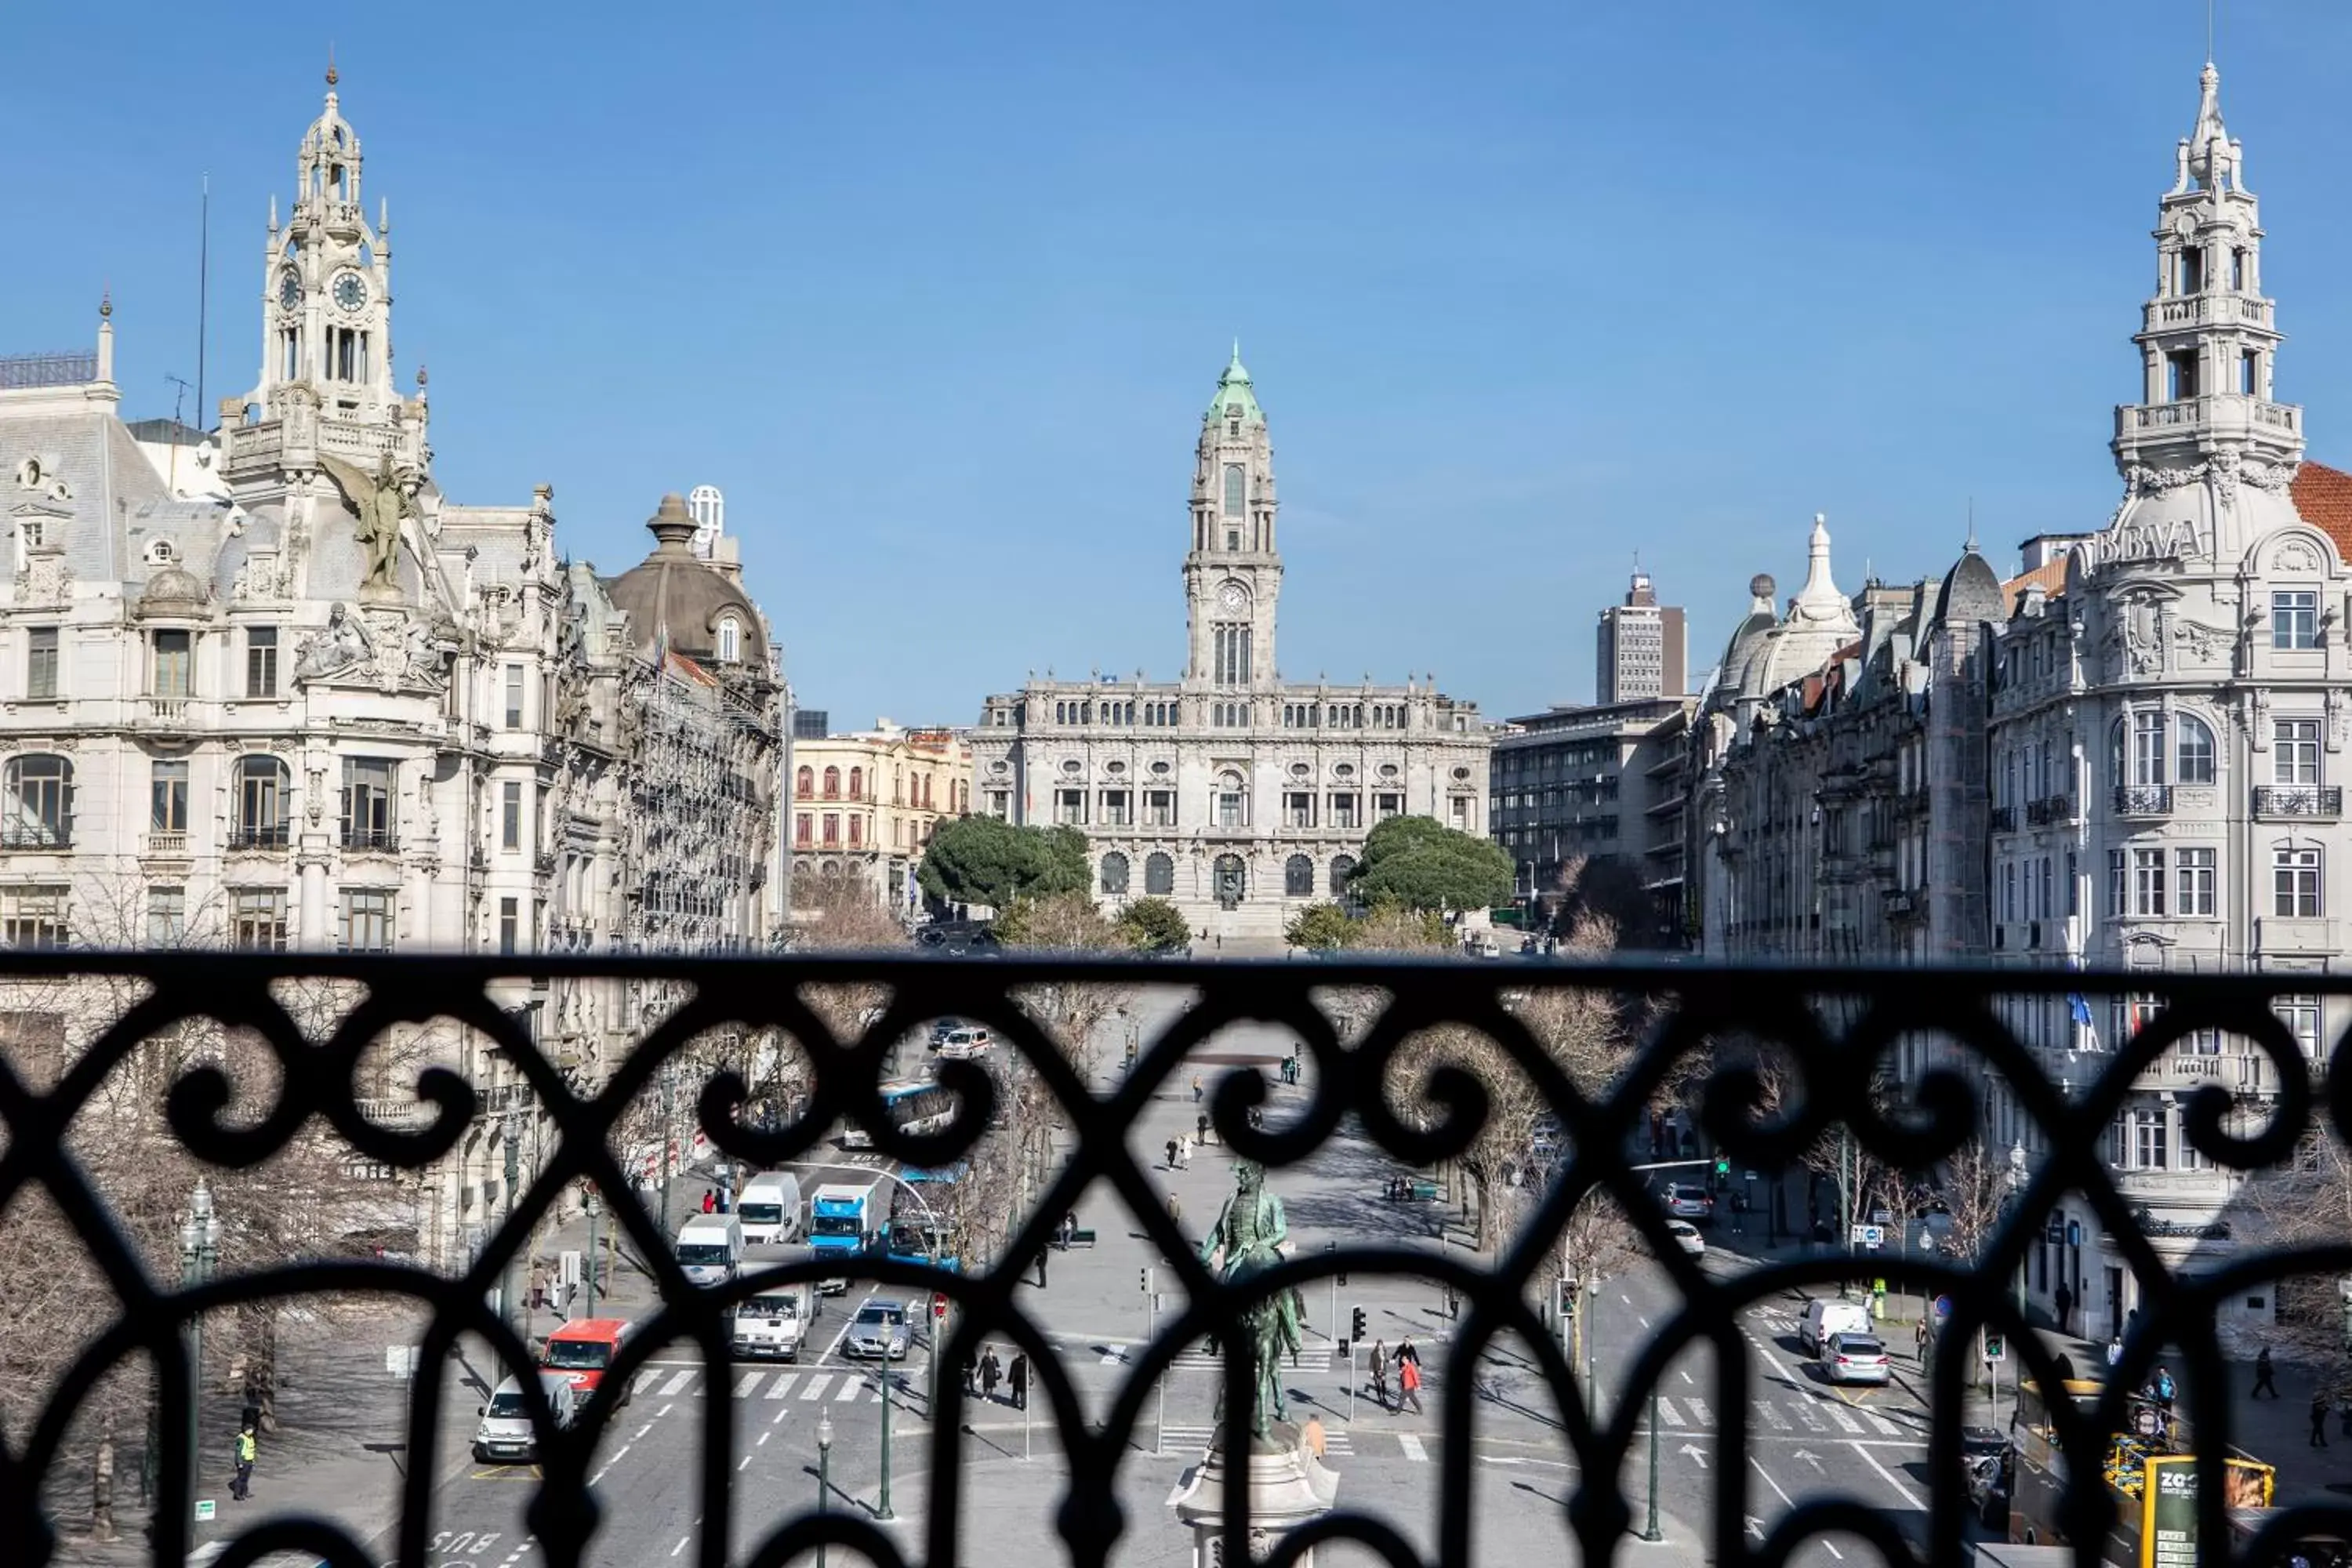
pixel 1692 1012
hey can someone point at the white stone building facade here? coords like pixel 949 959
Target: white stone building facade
pixel 1238 796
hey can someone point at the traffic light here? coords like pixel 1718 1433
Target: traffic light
pixel 1567 1299
pixel 1356 1322
pixel 1145 1276
pixel 1723 1164
pixel 1343 1282
pixel 1996 1347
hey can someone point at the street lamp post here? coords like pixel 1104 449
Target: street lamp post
pixel 882 1501
pixel 1650 1532
pixel 509 1297
pixel 824 1470
pixel 593 1208
pixel 199 1251
pixel 2017 1196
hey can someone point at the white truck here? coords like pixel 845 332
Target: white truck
pixel 770 1208
pixel 774 1324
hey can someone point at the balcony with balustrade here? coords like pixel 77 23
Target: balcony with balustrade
pixel 2309 802
pixel 2143 800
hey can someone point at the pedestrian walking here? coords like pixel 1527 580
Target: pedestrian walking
pixel 2064 1302
pixel 1172 1153
pixel 1196 1088
pixel 1921 1338
pixel 2265 1375
pixel 971 1373
pixel 1201 1126
pixel 1069 1229
pixel 1380 1374
pixel 241 1488
pixel 2163 1390
pixel 2115 1350
pixel 2318 1418
pixel 1020 1382
pixel 710 1201
pixel 1175 1210
pixel 991 1369
pixel 1409 1382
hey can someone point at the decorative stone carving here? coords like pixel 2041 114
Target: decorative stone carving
pixel 2145 480
pixel 381 502
pixel 343 643
pixel 2202 641
pixel 2223 467
pixel 2295 555
pixel 2275 478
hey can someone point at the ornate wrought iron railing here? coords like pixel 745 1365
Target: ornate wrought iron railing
pixel 1716 1028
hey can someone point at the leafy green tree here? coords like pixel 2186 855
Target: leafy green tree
pixel 1325 928
pixel 1154 925
pixel 1425 865
pixel 986 861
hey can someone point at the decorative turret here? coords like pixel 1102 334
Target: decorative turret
pixel 1233 574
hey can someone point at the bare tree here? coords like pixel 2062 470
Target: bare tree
pixel 2304 1202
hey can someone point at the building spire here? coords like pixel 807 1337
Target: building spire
pixel 1819 593
pixel 330 68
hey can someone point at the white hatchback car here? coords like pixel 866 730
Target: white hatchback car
pixel 1686 1236
pixel 961 1045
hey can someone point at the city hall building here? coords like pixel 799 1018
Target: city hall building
pixel 1238 797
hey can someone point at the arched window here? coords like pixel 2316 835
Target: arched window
pixel 263 785
pixel 39 804
pixel 1299 878
pixel 833 783
pixel 1234 485
pixel 1114 872
pixel 926 791
pixel 2193 764
pixel 857 784
pixel 1343 868
pixel 731 640
pixel 1158 875
pixel 805 782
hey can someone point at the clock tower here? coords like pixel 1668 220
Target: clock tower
pixel 326 295
pixel 1233 574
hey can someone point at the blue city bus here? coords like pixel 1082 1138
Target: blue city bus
pixel 913 1105
pixel 912 1238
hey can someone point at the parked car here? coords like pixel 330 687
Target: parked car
pixel 1856 1358
pixel 1691 1203
pixel 1829 1315
pixel 1686 1236
pixel 878 1333
pixel 506 1432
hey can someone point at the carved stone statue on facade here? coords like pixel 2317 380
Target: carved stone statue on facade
pixel 382 502
pixel 342 643
pixel 1249 1234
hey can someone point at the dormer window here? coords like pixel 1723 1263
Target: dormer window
pixel 731 640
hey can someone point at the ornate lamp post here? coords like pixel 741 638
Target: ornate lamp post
pixel 882 1501
pixel 593 1208
pixel 199 1255
pixel 824 1470
pixel 2016 1196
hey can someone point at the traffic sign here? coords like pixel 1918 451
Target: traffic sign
pixel 939 1304
pixel 2055 1232
pixel 205 1511
pixel 1943 1305
pixel 1869 1235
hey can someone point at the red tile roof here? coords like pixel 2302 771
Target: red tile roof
pixel 2050 574
pixel 2324 496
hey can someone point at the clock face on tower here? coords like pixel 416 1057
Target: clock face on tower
pixel 1233 596
pixel 290 289
pixel 350 291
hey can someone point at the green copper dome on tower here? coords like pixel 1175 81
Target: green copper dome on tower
pixel 1234 398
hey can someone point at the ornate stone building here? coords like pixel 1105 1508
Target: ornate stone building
pixel 320 704
pixel 1236 795
pixel 865 804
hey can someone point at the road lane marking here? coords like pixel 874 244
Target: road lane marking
pixel 615 1459
pixel 1892 1479
pixel 779 1418
pixel 1771 1413
pixel 1812 1422
pixel 779 1388
pixel 1786 1499
pixel 663 1411
pixel 1686 1377
pixel 747 1383
pixel 1699 1411
pixel 1884 1424
pixel 1627 1300
pixel 1645 1322
pixel 816 1390
pixel 1666 1408
pixel 1845 1423
pixel 1413 1447
pixel 680 1381
pixel 642 1431
pixel 681 1545
pixel 745 1462
pixel 764 1440
pixel 638 1386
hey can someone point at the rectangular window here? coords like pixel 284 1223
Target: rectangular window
pixel 2250 374
pixel 167 916
pixel 803 829
pixel 2148 1139
pixel 367 803
pixel 2238 267
pixel 1298 809
pixel 261 661
pixel 1233 655
pixel 367 920
pixel 2194 870
pixel 260 805
pixel 1237 489
pixel 2295 617
pixel 1387 805
pixel 2294 751
pixel 2301 1017
pixel 510 815
pixel 2180 375
pixel 32 917
pixel 832 828
pixel 171 655
pixel 41 664
pixel 167 794
pixel 2295 882
pixel 2148 881
pixel 1070 807
pixel 1000 803
pixel 1160 808
pixel 514 696
pixel 2008 890
pixel 856 832
pixel 1232 811
pixel 2118 880
pixel 1115 811
pixel 2148 747
pixel 1345 812
pixel 509 925
pixel 257 917
pixel 2189 270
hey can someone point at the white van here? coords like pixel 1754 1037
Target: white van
pixel 1827 1315
pixel 507 1433
pixel 770 1208
pixel 710 1248
pixel 777 1321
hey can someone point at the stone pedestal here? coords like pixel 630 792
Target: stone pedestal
pixel 1288 1485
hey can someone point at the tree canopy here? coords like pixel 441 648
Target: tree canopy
pixel 1154 925
pixel 1322 927
pixel 1424 865
pixel 987 861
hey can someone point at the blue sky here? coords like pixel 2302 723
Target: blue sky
pixel 936 292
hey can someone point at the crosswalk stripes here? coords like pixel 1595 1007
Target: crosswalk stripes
pixel 1845 1423
pixel 1673 1418
pixel 817 1385
pixel 1884 1424
pixel 1414 1448
pixel 783 1385
pixel 1310 1360
pixel 1178 1438
pixel 749 1381
pixel 680 1381
pixel 1771 1413
pixel 1812 1422
pixel 1699 1411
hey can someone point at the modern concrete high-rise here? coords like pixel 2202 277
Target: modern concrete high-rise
pixel 1642 651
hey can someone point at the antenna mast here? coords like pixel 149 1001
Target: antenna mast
pixel 204 289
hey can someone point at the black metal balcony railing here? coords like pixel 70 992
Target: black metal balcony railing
pixel 2002 819
pixel 376 840
pixel 2049 809
pixel 260 835
pixel 2326 800
pixel 2143 800
pixel 1703 1024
